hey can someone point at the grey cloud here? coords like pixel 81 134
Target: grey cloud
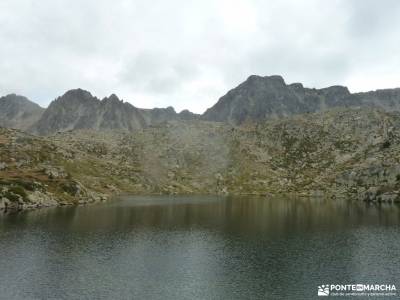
pixel 157 72
pixel 370 18
pixel 189 53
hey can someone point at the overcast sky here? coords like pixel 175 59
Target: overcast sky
pixel 188 53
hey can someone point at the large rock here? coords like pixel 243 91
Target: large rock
pixel 41 199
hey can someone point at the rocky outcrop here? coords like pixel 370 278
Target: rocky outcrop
pixel 32 175
pixel 261 98
pixel 18 112
pixel 377 182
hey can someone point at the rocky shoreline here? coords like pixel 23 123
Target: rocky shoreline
pixel 15 198
pixel 39 200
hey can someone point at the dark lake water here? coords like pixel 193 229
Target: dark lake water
pixel 197 248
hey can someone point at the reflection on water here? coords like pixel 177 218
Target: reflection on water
pixel 197 248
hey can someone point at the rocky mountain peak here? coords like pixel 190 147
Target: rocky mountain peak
pixel 79 109
pixel 296 86
pixel 259 98
pixel 170 109
pixel 114 98
pixel 18 112
pixel 335 90
pixel 271 81
pixel 73 98
pixel 14 99
pixel 78 93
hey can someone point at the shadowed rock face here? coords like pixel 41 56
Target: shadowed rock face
pixel 269 97
pixel 18 112
pixel 78 109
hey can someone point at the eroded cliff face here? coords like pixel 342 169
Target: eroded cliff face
pixel 262 98
pixel 351 153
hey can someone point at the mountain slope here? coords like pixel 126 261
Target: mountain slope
pixel 354 153
pixel 351 153
pixel 18 112
pixel 260 98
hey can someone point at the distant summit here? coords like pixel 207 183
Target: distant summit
pixel 18 112
pixel 79 109
pixel 260 98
